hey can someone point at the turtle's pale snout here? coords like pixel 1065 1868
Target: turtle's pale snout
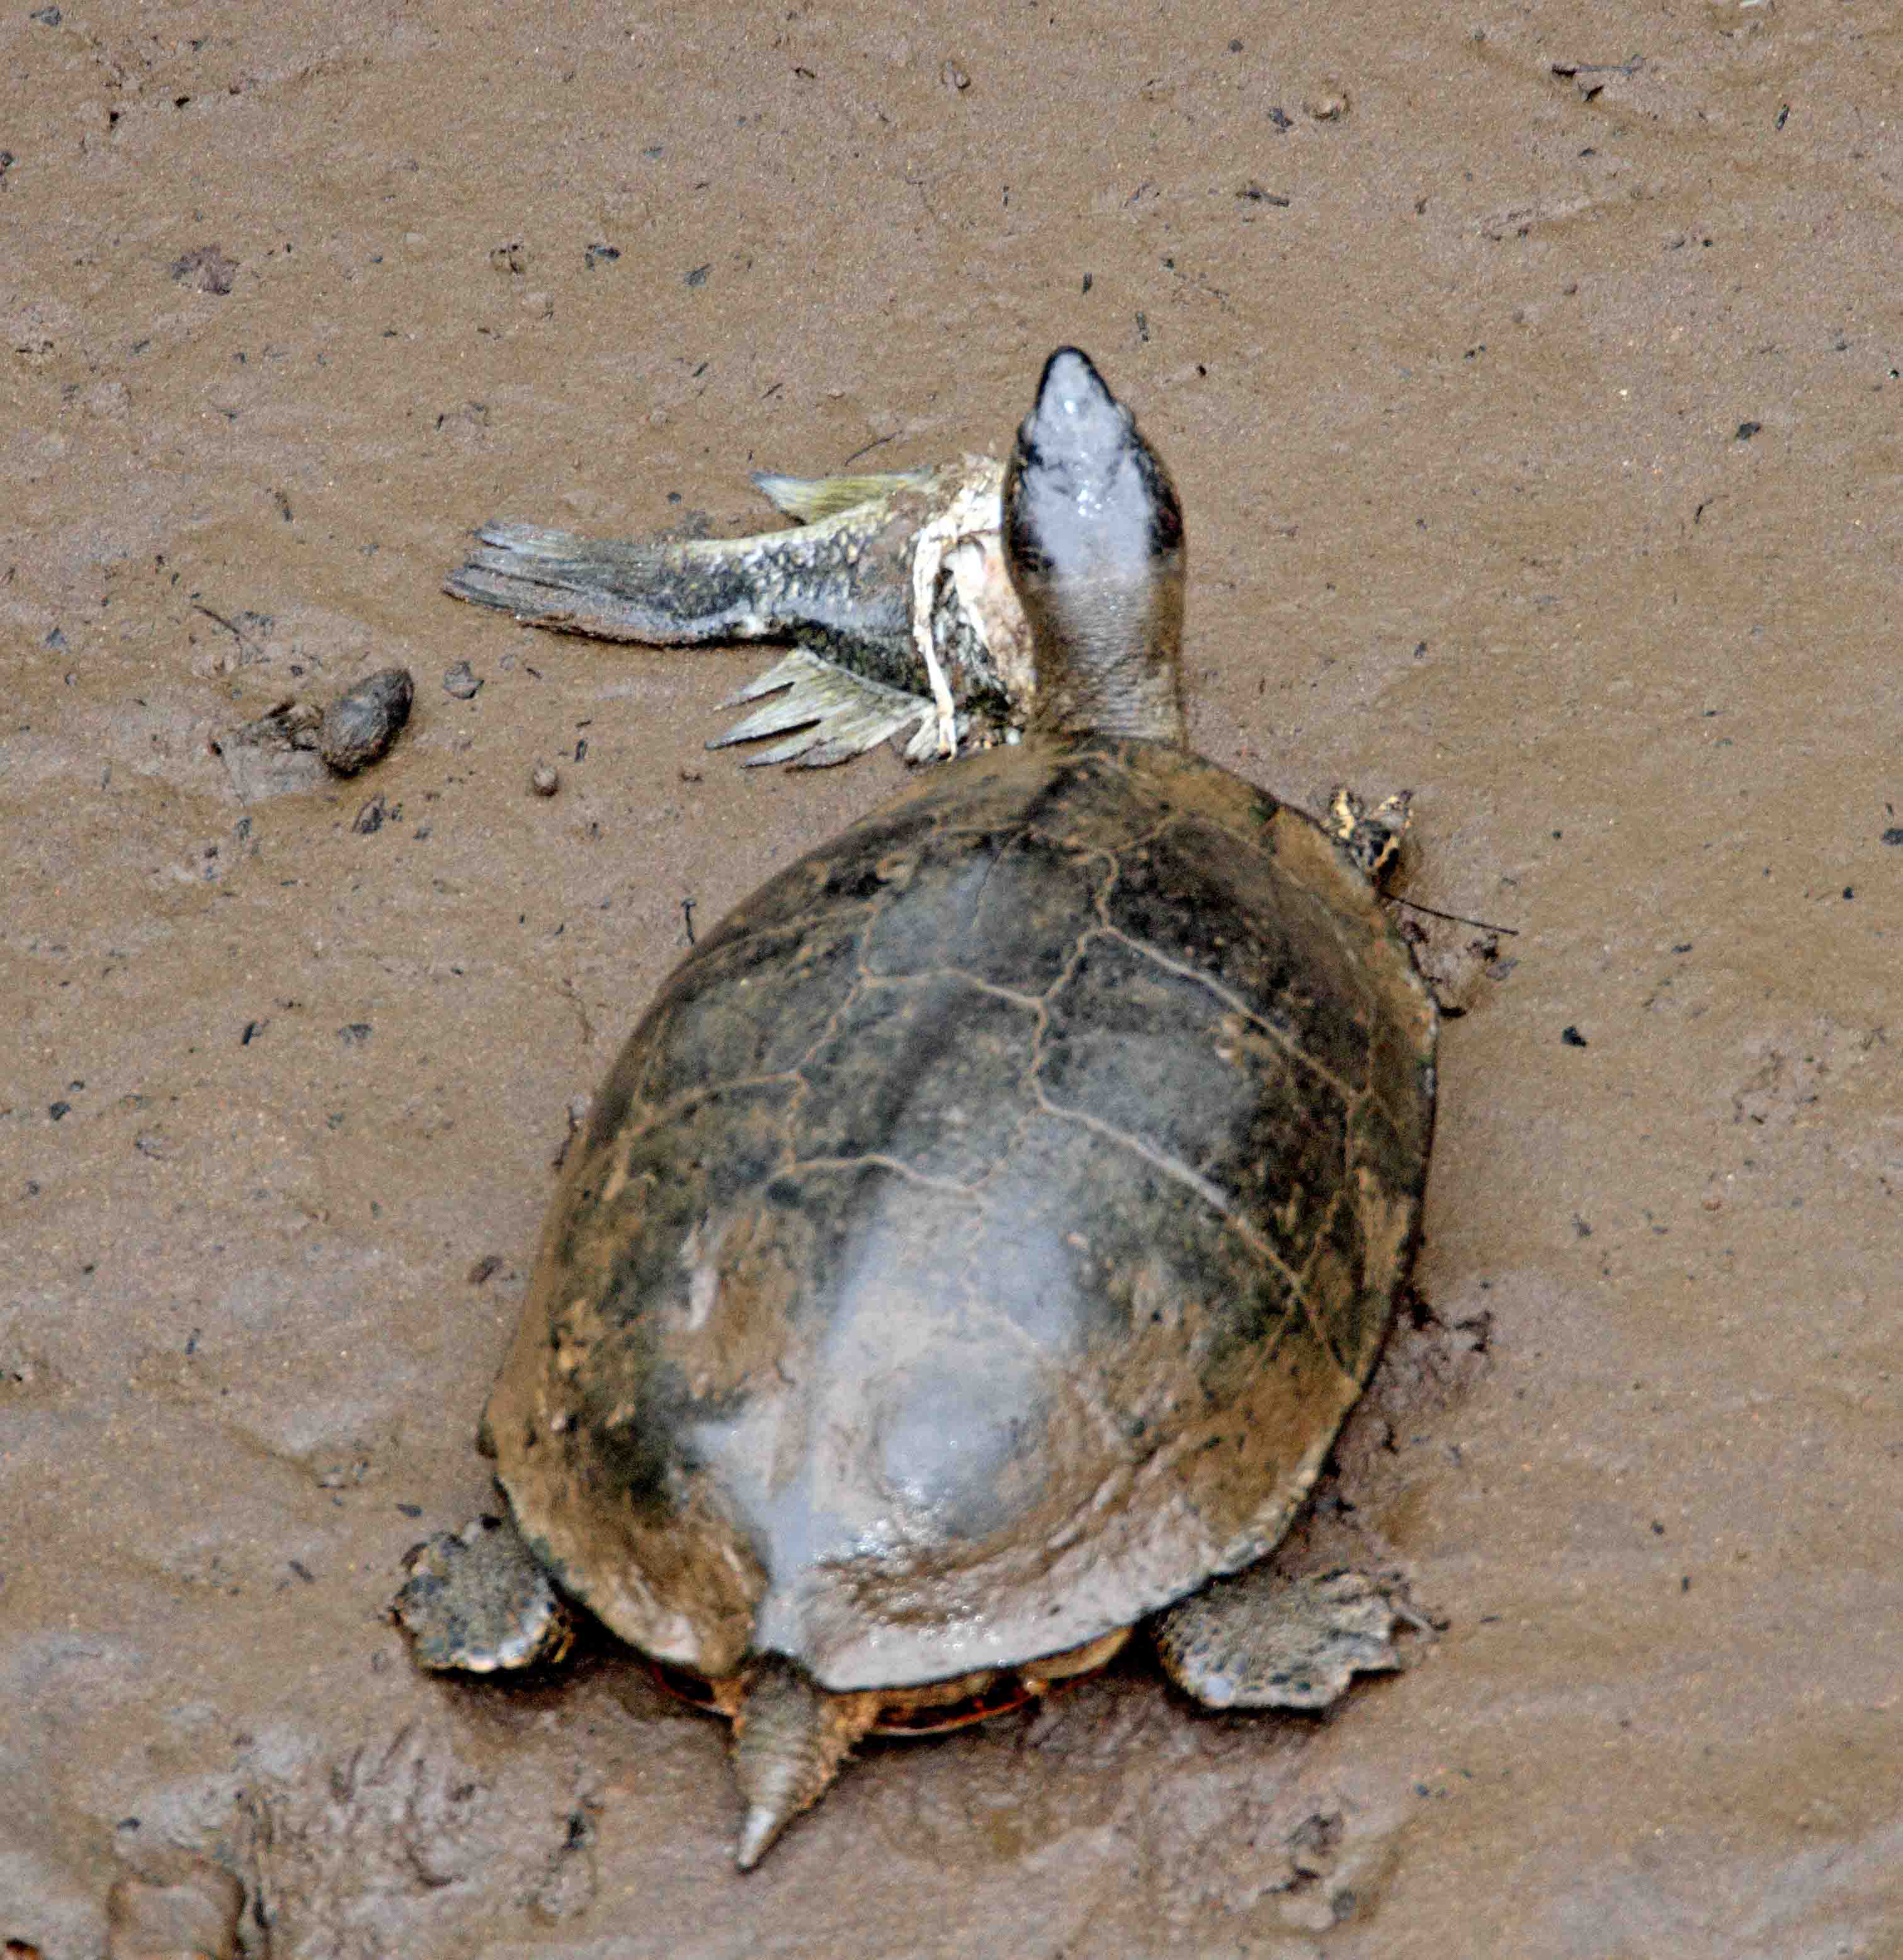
pixel 1085 495
pixel 1074 446
pixel 1075 419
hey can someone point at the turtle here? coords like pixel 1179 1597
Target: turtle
pixel 977 1246
pixel 891 588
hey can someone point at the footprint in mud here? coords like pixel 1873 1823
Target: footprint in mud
pixel 1797 1065
pixel 1207 1822
pixel 1212 1809
pixel 1224 1840
pixel 401 1849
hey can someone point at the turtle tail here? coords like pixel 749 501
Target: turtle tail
pixel 790 1737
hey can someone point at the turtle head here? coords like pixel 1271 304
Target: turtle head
pixel 1094 539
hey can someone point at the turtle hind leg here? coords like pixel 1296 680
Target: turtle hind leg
pixel 790 1737
pixel 478 1601
pixel 1372 837
pixel 1260 1640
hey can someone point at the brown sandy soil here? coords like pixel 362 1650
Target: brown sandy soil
pixel 1539 436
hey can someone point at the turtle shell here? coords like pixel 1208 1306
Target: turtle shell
pixel 978 1242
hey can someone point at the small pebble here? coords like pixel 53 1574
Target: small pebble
pixel 359 726
pixel 1329 102
pixel 461 681
pixel 545 779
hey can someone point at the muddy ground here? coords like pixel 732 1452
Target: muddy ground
pixel 1531 376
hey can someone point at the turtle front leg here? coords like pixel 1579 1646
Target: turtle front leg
pixel 1260 1640
pixel 477 1600
pixel 1373 837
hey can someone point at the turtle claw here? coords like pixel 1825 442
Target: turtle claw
pixel 478 1601
pixel 1258 1641
pixel 1372 837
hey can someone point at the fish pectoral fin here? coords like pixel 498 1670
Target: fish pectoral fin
pixel 837 714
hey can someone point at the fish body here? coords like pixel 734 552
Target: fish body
pixel 891 590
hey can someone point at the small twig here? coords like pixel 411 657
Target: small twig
pixel 1458 918
pixel 687 913
pixel 1570 68
pixel 877 442
pixel 574 1000
pixel 236 631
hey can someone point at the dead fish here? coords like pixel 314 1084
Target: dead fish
pixel 891 591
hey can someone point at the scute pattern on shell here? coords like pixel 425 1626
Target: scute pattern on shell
pixel 978 1242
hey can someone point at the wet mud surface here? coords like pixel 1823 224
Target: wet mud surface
pixel 1530 377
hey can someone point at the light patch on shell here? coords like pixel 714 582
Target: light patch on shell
pixel 704 1289
pixel 700 1261
pixel 1386 1223
pixel 617 1183
pixel 569 1352
pixel 620 1597
pixel 725 1327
